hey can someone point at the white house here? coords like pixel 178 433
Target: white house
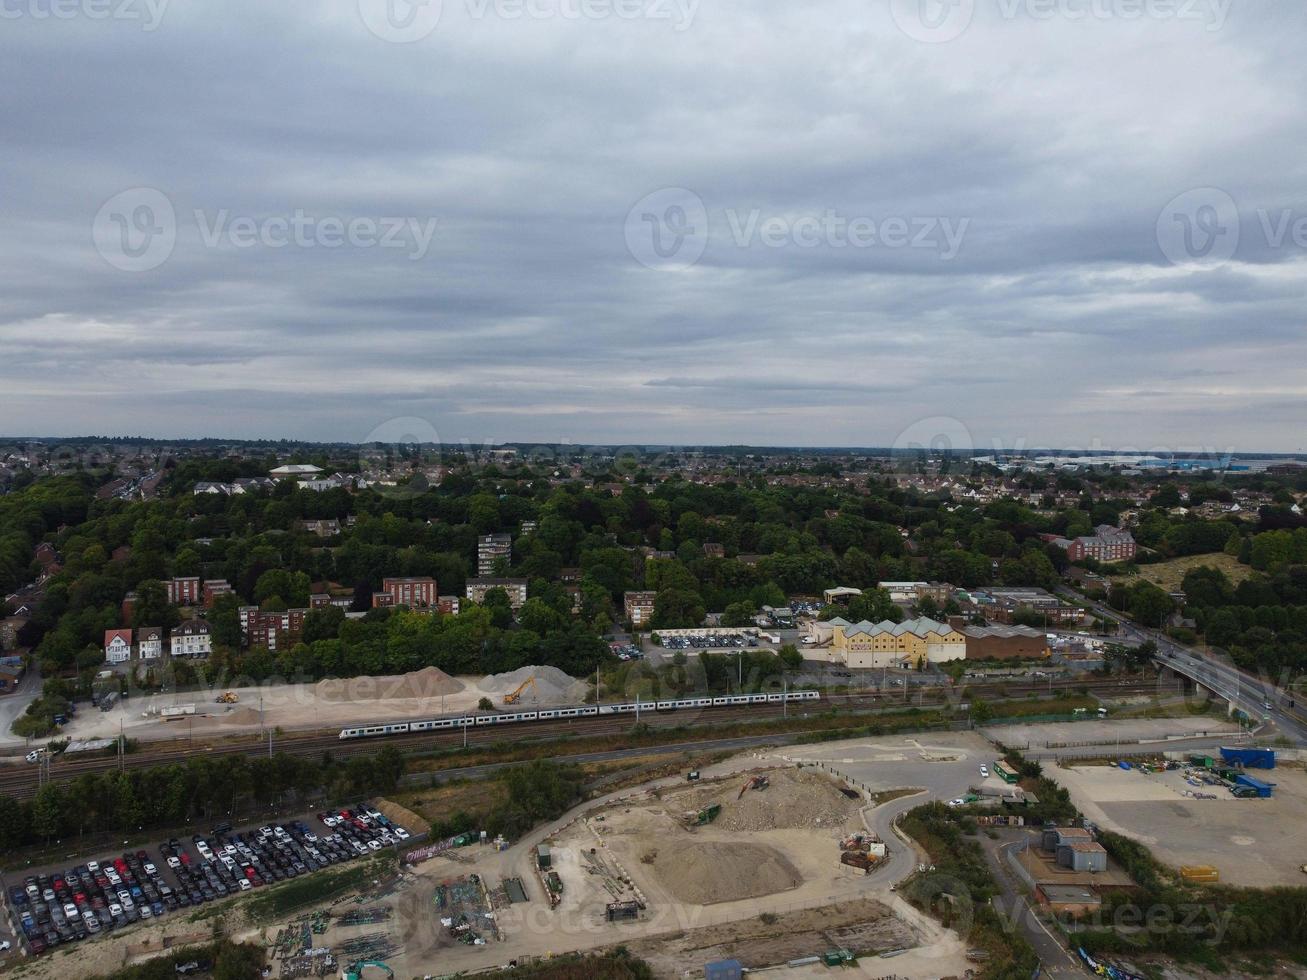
pixel 149 642
pixel 191 639
pixel 117 646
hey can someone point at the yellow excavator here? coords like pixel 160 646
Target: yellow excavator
pixel 512 697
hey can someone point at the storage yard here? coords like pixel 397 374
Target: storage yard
pixel 1188 821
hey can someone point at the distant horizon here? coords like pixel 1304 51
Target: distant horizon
pixel 1183 452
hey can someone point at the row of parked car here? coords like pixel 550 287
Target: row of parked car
pixel 97 896
pixel 705 641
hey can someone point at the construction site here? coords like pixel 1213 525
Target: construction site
pixel 757 858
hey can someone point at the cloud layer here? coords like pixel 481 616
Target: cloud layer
pixel 1059 222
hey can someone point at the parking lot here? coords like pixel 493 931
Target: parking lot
pixel 61 906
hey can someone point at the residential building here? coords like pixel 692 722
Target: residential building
pixel 640 607
pixel 447 605
pixel 191 639
pixel 416 593
pixel 322 528
pixel 271 629
pixel 1004 642
pixel 149 642
pixel 9 627
pixel 1106 544
pixel 1001 605
pixel 184 591
pixel 324 600
pixel 213 588
pixel 714 550
pixel 515 587
pixel 491 548
pixel 117 646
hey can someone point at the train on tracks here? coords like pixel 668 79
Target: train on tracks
pixel 580 711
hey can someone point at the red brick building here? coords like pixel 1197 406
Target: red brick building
pixel 416 593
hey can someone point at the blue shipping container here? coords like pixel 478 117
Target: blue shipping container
pixel 723 970
pixel 1263 789
pixel 1249 758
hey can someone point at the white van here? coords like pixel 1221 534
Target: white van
pixel 35 755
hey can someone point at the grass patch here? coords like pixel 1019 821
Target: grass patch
pixel 278 901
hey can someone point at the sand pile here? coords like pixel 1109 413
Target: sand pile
pixel 708 872
pixel 552 685
pixel 429 682
pixel 797 799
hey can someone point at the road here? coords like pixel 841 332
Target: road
pixel 1058 961
pixel 1255 696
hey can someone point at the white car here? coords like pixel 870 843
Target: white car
pixel 70 910
pixel 4 945
pixel 93 866
pixel 957 802
pixel 401 833
pixel 150 869
pixel 984 772
pixel 374 845
pixel 146 911
pixel 311 838
pixel 174 862
pixel 245 884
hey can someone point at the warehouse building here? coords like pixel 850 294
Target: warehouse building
pixel 1005 642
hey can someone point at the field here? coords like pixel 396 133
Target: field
pixel 1169 574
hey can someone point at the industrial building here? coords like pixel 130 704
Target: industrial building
pixel 886 644
pixel 1005 642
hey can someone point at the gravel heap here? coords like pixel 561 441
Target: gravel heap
pixel 552 685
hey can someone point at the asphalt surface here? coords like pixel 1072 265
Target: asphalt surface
pixel 1058 961
pixel 1259 697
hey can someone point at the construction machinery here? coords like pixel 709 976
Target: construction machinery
pixel 512 697
pixel 754 782
pixel 707 815
pixel 227 697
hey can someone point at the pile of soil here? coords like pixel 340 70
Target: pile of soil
pixel 708 872
pixel 429 682
pixel 797 799
pixel 552 685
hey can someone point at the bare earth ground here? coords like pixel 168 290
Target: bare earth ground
pixel 1257 843
pixel 327 703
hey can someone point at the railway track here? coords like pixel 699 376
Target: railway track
pixel 21 781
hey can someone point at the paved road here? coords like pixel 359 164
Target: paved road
pixel 1257 696
pixel 1058 961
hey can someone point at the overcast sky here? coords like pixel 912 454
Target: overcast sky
pixel 1037 222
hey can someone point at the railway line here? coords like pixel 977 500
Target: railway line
pixel 21 780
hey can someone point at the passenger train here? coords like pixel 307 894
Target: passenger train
pixel 581 711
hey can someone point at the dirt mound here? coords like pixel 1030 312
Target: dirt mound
pixel 797 799
pixel 708 872
pixel 429 682
pixel 551 684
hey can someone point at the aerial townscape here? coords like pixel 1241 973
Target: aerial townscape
pixel 647 712
pixel 653 490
